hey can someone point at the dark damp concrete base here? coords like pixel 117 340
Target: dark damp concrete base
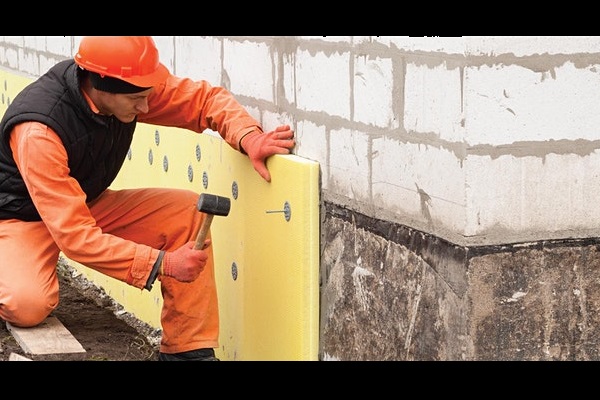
pixel 389 292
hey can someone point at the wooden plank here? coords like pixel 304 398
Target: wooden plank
pixel 50 337
pixel 17 357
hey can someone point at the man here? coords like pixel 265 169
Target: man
pixel 63 140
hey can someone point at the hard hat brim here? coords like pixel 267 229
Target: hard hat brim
pixel 157 77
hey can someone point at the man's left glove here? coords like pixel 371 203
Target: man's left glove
pixel 260 146
pixel 185 263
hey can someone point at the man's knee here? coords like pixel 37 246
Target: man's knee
pixel 26 310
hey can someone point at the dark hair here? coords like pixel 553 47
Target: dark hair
pixel 113 85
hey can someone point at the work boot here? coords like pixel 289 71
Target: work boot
pixel 192 355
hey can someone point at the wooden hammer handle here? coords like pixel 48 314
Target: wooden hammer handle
pixel 203 231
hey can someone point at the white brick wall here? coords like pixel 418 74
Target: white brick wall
pixel 349 164
pixel 523 46
pixel 433 101
pixel 250 69
pixel 373 92
pixel 199 58
pixel 323 83
pixel 509 104
pixel 476 139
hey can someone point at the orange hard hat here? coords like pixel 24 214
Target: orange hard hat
pixel 133 59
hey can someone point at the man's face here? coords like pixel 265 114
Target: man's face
pixel 125 107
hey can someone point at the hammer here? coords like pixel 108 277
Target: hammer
pixel 211 205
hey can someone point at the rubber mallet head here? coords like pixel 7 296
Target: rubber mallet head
pixel 211 205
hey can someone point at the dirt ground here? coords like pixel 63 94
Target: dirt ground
pixel 105 331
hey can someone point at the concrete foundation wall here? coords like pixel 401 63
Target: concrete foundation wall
pixel 482 146
pixel 389 292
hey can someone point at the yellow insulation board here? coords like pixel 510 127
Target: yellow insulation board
pixel 266 250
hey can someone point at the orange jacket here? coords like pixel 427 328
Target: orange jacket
pixel 42 160
pixel 197 106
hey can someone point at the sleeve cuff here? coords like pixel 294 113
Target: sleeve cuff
pixel 154 272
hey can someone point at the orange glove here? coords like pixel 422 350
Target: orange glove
pixel 185 263
pixel 259 146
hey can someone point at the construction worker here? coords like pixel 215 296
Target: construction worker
pixel 63 141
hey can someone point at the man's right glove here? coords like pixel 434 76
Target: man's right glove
pixel 185 263
pixel 260 146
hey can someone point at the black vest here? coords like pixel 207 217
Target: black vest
pixel 96 145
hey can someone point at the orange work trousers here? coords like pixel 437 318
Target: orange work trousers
pixel 164 219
